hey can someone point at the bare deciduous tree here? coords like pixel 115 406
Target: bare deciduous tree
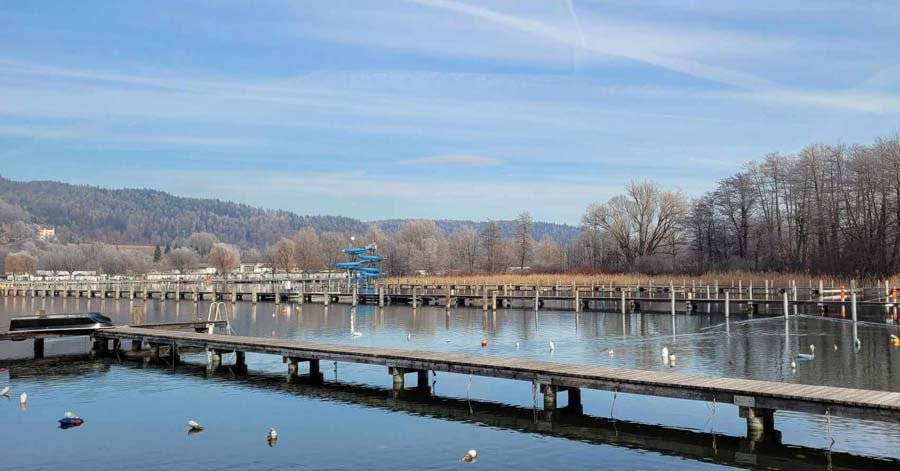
pixel 224 258
pixel 524 242
pixel 182 259
pixel 281 255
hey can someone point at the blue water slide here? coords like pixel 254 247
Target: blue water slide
pixel 361 264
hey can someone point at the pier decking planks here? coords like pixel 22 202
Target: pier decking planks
pixel 856 403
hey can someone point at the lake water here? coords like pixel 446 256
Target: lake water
pixel 136 417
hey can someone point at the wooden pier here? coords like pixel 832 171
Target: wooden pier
pixel 757 400
pixel 682 298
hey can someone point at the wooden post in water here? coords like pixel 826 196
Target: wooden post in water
pixel 717 289
pixel 577 301
pixel 727 305
pixel 794 282
pixel 414 300
pixel 623 301
pixel 494 300
pixel 785 296
pixel 853 316
pixel 672 296
pixel 537 296
pixel 380 295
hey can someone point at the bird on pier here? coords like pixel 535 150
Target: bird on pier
pixel 272 437
pixel 193 426
pixel 665 355
pixel 469 457
pixel 5 392
pixel 808 356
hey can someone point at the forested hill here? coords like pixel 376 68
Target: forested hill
pixel 139 216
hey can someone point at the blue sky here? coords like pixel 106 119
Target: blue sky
pixel 434 108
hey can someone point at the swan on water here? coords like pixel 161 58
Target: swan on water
pixel 808 356
pixel 665 355
pixel 611 352
pixel 793 365
pixel 552 346
pixel 409 337
pixel 671 359
pixel 356 334
pixel 23 398
pixel 469 457
pixel 5 391
pixel 835 347
pixel 517 345
pixel 193 425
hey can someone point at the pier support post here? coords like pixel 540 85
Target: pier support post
pixel 574 399
pixel 293 366
pixel 760 422
pixel 355 301
pixel 397 374
pixel 380 296
pixel 240 358
pixel 727 304
pixel 623 301
pixel 672 297
pixel 422 379
pixel 550 391
pixel 577 301
pixel 785 302
pixel 414 299
pixel 537 298
pixel 38 348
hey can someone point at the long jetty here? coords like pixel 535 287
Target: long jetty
pixel 757 400
pixel 736 296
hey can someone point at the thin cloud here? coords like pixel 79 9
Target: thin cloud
pixel 456 160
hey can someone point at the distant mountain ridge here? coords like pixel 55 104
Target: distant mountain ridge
pixel 84 213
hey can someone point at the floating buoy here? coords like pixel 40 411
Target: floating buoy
pixel 895 341
pixel 483 343
pixel 193 426
pixel 272 437
pixel 469 457
pixel 67 422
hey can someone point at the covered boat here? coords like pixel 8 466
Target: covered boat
pixel 57 324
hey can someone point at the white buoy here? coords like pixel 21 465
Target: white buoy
pixel 194 426
pixel 469 457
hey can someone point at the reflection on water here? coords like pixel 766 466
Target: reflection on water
pixel 356 426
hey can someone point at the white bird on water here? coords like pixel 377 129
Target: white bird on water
pixel 552 347
pixel 469 457
pixel 356 334
pixel 409 337
pixel 194 426
pixel 517 345
pixel 808 356
pixel 23 399
pixel 793 365
pixel 272 437
pixel 665 355
pixel 671 360
pixel 4 392
pixel 611 352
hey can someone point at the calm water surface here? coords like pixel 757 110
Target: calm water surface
pixel 136 416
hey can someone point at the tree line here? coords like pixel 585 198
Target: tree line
pixel 826 209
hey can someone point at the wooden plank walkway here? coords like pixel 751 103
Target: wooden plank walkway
pixel 746 393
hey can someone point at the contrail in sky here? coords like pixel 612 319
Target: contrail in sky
pixel 571 5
